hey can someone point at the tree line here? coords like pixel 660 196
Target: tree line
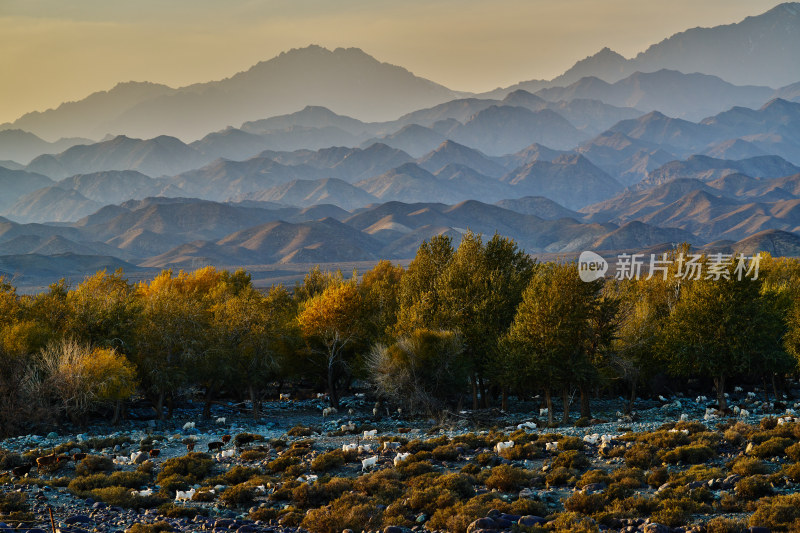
pixel 462 326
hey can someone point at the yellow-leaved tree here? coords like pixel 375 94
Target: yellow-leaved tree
pixel 80 378
pixel 331 322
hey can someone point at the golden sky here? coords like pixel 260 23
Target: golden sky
pixel 53 51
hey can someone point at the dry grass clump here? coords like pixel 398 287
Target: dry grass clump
pixel 241 495
pixel 351 511
pixel 301 431
pixel 253 455
pixel 749 466
pixel 92 464
pixel 772 447
pixel 507 478
pixel 779 513
pixel 193 466
pixel 689 454
pixel 124 497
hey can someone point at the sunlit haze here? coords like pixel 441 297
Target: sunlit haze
pixel 54 51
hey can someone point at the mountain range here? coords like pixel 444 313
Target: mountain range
pixel 320 156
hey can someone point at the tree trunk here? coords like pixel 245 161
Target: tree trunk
pixel 586 407
pixel 170 405
pixel 117 412
pixel 474 392
pixel 565 401
pixel 548 400
pixel 484 399
pixel 254 400
pixel 209 399
pixel 159 406
pixel 632 399
pixel 719 383
pixel 332 396
pixel 775 387
pixel 504 403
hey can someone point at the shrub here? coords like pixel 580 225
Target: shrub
pixel 768 423
pixel 92 464
pixel 171 484
pixel 733 437
pixel 123 497
pixel 240 495
pixel 749 466
pixel 253 455
pixel 559 476
pixel 658 477
pixel 593 476
pixel 526 506
pixel 792 472
pixel 194 466
pixel 777 513
pixel 264 514
pixel 300 431
pixel 11 502
pixel 129 480
pixel 328 461
pixel 9 460
pixel 460 515
pixel 572 459
pixel 282 463
pixel 691 454
pixel 410 469
pixel 793 452
pixel 640 456
pixel 584 503
pixel 725 525
pixel 472 441
pixel 157 527
pixel 471 469
pixel 574 523
pixel 234 476
pixel 351 511
pixel 671 515
pixel 170 510
pixel 445 452
pixel 570 443
pixel 520 452
pixel 506 478
pixel 753 487
pixel 771 448
pixel 486 459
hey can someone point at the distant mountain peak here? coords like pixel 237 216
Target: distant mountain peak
pixel 791 9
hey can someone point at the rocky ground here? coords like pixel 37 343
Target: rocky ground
pixel 674 465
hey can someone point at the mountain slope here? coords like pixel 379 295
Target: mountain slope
pixel 347 81
pixel 305 193
pixel 158 156
pixel 570 180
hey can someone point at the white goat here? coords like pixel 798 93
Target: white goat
pixel 400 457
pixel 369 462
pixel 504 446
pixel 181 495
